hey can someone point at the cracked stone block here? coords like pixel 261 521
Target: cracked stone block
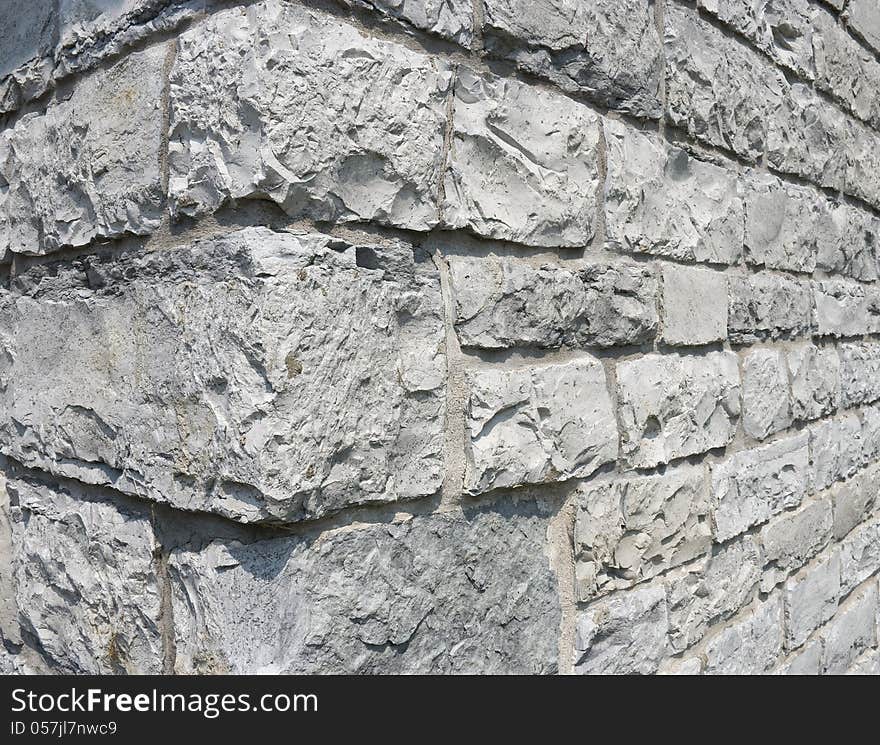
pixel 805 661
pixel 710 590
pixel 662 201
pixel 784 224
pixel 793 538
pixel 717 90
pixel 753 485
pixel 811 598
pixel 503 302
pixel 835 450
pixel 451 19
pixel 860 554
pixel 443 593
pixel 854 500
pixel 91 31
pixel 783 29
pixel 85 582
pixel 26 45
pixel 767 306
pixel 859 373
pixel 532 425
pixel 608 50
pixel 809 137
pixel 263 376
pixel 694 305
pixel 88 167
pixel 850 247
pixel 322 120
pixel 628 530
pixel 863 19
pixel 815 381
pixel 766 398
pixel 863 163
pixel 851 632
pixel 845 308
pixel 523 163
pixel 671 406
pixel 623 634
pixel 750 645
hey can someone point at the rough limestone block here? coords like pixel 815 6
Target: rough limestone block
pixel 623 634
pixel 10 631
pixel 664 202
pixel 717 90
pixel 867 664
pixel 27 37
pixel 750 645
pixel 765 393
pixel 845 308
pixel 793 538
pixel 85 583
pixel 608 50
pixel 671 406
pixel 854 500
pixel 860 554
pixel 91 31
pixel 859 373
pixel 863 163
pixel 805 661
pixel 836 450
pixel 851 632
pixel 809 137
pixel 261 375
pixel 504 302
pixel 815 381
pixel 863 19
pixel 88 167
pixel 753 485
pixel 444 593
pixel 628 530
pixel 871 438
pixel 694 305
pixel 767 306
pixel 811 598
pixel 322 120
pixel 523 163
pixel 849 247
pixel 537 424
pixel 451 19
pixel 780 28
pixel 711 590
pixel 784 224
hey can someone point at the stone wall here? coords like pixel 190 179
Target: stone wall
pixel 440 336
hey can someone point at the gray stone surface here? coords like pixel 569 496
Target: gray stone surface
pixel 860 554
pixel 849 246
pixel 811 598
pixel 627 530
pixel 859 373
pixel 835 450
pixel 767 306
pixel 504 302
pixel 671 406
pixel 89 167
pixel 844 308
pixel 86 588
pixel 664 202
pixel 805 661
pixel 445 593
pixel 753 485
pixel 261 375
pixel 451 19
pixel 815 381
pixel 717 90
pixel 863 18
pixel 851 632
pixel 325 122
pixel 766 394
pixel 623 634
pixel 750 645
pixel 523 163
pixel 793 538
pixel 608 50
pixel 537 424
pixel 26 42
pixel 694 306
pixel 853 500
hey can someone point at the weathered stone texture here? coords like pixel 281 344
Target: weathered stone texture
pixel 851 632
pixel 608 50
pixel 445 593
pixel 749 645
pixel 89 167
pixel 322 120
pixel 845 308
pixel 26 45
pixel 793 538
pixel 860 554
pixel 671 406
pixel 501 303
pixel 863 18
pixel 523 163
pixel 835 450
pixel 853 500
pixel 694 306
pixel 859 373
pixel 538 424
pixel 766 395
pixel 815 381
pixel 811 598
pixel 263 376
pixel 767 306
pixel 451 19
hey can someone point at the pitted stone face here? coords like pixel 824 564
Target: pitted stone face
pixel 262 376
